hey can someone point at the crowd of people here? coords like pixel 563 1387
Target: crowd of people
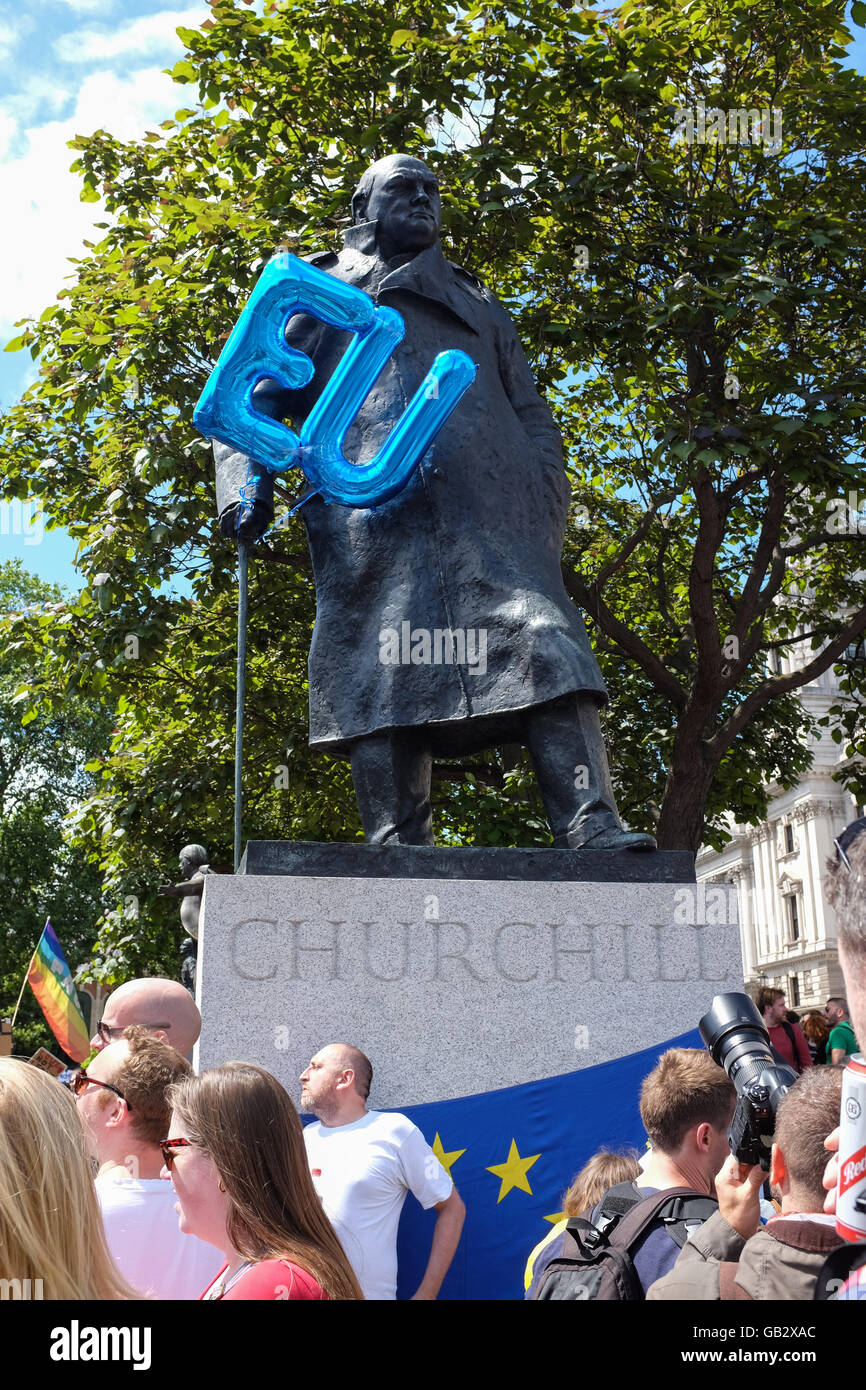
pixel 822 1036
pixel 143 1180
pixel 207 1187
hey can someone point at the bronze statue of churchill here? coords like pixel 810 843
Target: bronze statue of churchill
pixel 470 546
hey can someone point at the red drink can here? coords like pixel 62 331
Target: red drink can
pixel 851 1183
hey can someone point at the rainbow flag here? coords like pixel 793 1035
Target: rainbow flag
pixel 51 981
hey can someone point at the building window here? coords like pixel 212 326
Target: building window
pixel 793 918
pixel 793 990
pixel 789 839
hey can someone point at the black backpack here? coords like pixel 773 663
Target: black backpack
pixel 596 1260
pixel 797 1064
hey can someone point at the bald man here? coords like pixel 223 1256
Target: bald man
pixel 164 1007
pixel 363 1163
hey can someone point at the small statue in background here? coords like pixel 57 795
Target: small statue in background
pixel 188 957
pixel 193 867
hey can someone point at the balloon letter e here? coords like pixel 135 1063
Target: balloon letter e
pixel 257 349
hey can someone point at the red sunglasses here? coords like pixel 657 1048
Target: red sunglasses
pixel 79 1081
pixel 168 1147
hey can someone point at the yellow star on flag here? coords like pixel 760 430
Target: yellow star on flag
pixel 446 1159
pixel 513 1172
pixel 556 1217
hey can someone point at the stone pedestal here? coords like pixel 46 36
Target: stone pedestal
pixel 519 970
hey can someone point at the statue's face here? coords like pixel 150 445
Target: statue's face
pixel 404 200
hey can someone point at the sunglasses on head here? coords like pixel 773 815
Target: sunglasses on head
pixel 79 1081
pixel 844 841
pixel 168 1147
pixel 107 1033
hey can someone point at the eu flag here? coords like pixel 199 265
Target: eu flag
pixel 512 1154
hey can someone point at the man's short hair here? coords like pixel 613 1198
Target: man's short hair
pixel 840 1001
pixel 143 1079
pixel 685 1088
pixel 806 1115
pixel 766 996
pixel 362 1067
pixel 845 888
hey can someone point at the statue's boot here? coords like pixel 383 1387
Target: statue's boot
pixel 570 759
pixel 392 773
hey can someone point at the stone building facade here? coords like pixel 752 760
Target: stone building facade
pixel 787 929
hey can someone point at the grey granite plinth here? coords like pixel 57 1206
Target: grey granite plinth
pixel 423 861
pixel 455 986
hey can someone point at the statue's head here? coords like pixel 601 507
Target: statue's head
pixel 191 859
pixel 401 195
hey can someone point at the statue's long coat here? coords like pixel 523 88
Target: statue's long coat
pixel 472 542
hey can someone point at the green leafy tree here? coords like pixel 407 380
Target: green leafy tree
pixel 41 776
pixel 693 308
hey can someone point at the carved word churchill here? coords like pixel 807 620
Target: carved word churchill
pixel 520 952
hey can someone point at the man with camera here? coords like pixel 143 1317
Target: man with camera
pixel 732 1255
pixel 686 1105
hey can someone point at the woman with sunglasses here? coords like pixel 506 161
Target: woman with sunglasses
pixel 238 1165
pixel 50 1227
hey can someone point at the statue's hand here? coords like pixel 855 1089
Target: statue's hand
pixel 256 521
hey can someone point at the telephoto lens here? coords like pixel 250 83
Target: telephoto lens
pixel 737 1040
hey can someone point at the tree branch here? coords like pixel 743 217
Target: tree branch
pixel 610 569
pixel 718 745
pixel 590 600
pixel 771 527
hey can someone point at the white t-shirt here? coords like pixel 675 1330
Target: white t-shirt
pixel 362 1172
pixel 151 1251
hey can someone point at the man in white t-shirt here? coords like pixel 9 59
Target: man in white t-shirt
pixel 125 1112
pixel 363 1164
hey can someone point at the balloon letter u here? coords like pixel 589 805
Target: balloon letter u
pixel 257 349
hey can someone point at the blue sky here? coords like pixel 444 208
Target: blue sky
pixel 71 67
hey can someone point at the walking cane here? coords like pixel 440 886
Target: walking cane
pixel 243 600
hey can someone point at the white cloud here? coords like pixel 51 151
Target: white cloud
pixel 146 37
pixel 88 6
pixel 9 35
pixel 8 127
pixel 44 222
pixel 36 96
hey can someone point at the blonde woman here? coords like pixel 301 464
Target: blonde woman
pixel 604 1170
pixel 238 1166
pixel 50 1226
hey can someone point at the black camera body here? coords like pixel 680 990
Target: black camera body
pixel 737 1040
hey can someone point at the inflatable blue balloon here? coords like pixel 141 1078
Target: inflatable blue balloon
pixel 257 349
